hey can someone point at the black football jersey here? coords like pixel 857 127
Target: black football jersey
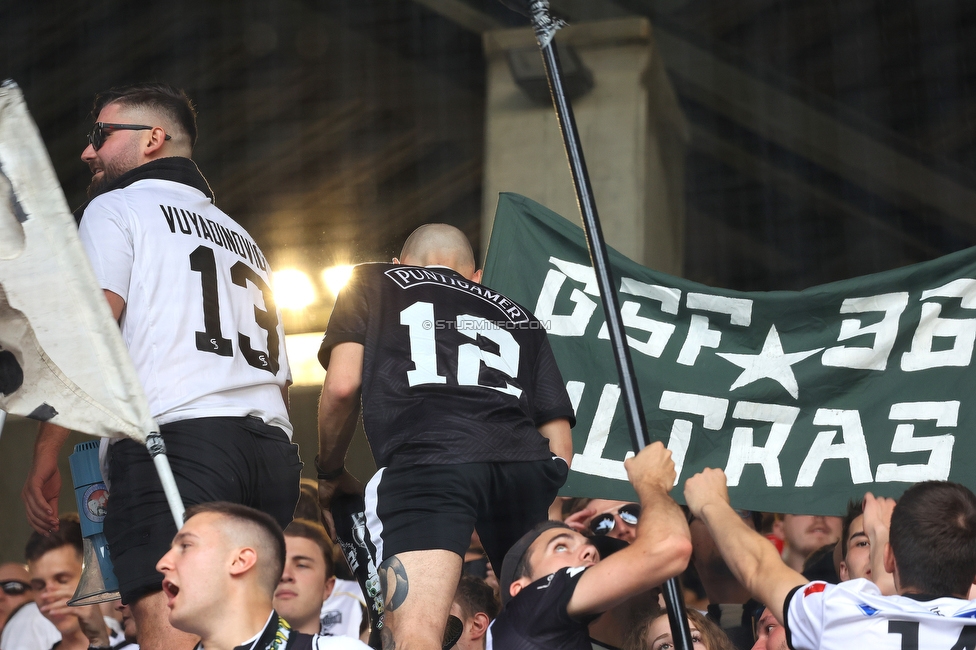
pixel 453 372
pixel 536 618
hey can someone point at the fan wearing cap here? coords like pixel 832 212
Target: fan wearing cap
pixel 554 583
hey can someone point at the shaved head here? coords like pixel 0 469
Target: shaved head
pixel 439 244
pixel 243 526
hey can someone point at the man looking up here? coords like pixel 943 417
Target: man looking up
pixel 555 582
pixel 465 411
pixel 220 576
pixel 191 292
pixel 931 552
pixel 308 577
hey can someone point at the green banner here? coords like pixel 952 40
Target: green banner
pixel 806 399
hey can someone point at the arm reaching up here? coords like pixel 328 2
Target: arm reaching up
pixel 753 560
pixel 877 520
pixel 660 551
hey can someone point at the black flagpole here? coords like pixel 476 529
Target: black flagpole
pixel 545 29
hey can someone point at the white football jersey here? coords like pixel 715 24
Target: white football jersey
pixel 854 614
pixel 199 321
pixel 342 611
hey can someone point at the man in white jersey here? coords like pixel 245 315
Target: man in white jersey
pixel 931 553
pixel 191 292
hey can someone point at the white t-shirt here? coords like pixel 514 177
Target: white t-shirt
pixel 342 611
pixel 854 614
pixel 199 319
pixel 27 629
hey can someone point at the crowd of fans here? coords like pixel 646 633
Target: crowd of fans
pixel 318 595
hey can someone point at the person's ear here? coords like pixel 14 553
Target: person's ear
pixel 329 586
pixel 155 141
pixel 518 585
pixel 889 559
pixel 243 560
pixel 479 625
pixel 476 277
pixel 844 572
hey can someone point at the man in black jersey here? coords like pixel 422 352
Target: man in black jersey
pixel 466 414
pixel 554 582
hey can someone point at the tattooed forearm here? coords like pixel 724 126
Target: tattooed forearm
pixel 394 583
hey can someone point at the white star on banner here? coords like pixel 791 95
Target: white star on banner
pixel 771 363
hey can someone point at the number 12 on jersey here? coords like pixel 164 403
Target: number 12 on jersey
pixel 211 339
pixel 422 328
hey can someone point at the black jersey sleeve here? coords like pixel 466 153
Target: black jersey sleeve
pixel 550 399
pixel 536 619
pixel 349 316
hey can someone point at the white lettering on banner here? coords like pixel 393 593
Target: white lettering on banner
pixel 567 324
pixel 744 451
pixel 700 335
pixel 885 332
pixel 575 390
pixel 563 324
pixel 660 333
pixel 945 414
pixel 854 448
pixel 962 331
pixel 591 461
pixel 712 410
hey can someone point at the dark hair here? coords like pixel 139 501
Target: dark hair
pixel 854 510
pixel 473 595
pixel 263 522
pixel 933 538
pixel 67 534
pixel 516 563
pixel 162 97
pixel 712 635
pixel 314 531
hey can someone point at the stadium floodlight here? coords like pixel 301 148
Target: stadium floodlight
pixel 293 289
pixel 336 277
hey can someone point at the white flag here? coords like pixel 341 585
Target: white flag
pixel 62 358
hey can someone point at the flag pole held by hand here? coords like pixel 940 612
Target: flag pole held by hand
pixel 545 27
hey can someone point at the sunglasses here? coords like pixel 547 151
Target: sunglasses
pixel 14 587
pixel 101 130
pixel 603 524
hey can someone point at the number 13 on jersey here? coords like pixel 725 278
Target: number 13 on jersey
pixel 211 338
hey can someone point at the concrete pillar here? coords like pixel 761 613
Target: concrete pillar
pixel 631 127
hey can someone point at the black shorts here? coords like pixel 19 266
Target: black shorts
pixel 238 459
pixel 424 507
